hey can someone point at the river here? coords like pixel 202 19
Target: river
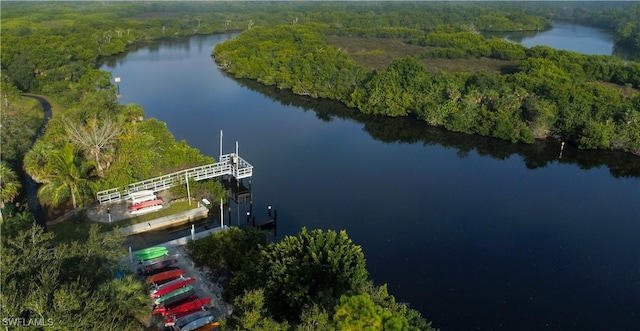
pixel 475 233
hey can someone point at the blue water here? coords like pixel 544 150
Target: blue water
pixel 472 240
pixel 564 36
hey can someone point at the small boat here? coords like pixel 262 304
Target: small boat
pixel 180 321
pixel 153 260
pixel 187 306
pixel 164 289
pixel 209 327
pixel 143 199
pixel 165 276
pixel 178 299
pixel 202 321
pixel 157 266
pixel 160 301
pixel 156 257
pixel 147 210
pixel 150 251
pixel 155 288
pixel 140 194
pixel 142 205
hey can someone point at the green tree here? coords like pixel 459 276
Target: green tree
pixel 250 314
pixel 67 177
pixel 9 185
pixel 71 286
pixel 235 254
pixel 13 222
pixel 315 318
pixel 313 267
pixel 360 313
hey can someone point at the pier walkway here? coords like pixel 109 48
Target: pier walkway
pixel 228 165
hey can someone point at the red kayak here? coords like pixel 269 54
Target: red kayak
pixel 165 276
pixel 145 204
pixel 162 290
pixel 188 306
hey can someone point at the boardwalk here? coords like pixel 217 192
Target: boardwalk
pixel 229 165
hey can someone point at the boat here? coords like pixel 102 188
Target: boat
pixel 153 261
pixel 147 209
pixel 140 194
pixel 157 266
pixel 143 199
pixel 180 321
pixel 178 299
pixel 165 276
pixel 202 321
pixel 161 301
pixel 150 251
pixel 208 327
pixel 164 289
pixel 155 288
pixel 142 205
pixel 155 257
pixel 187 306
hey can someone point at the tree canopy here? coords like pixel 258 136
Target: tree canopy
pixel 315 280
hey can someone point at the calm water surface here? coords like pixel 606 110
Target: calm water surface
pixel 475 233
pixel 565 36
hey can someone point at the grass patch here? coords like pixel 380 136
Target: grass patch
pixel 72 230
pixel 377 53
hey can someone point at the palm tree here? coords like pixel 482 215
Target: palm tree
pixel 9 185
pixel 36 159
pixel 67 177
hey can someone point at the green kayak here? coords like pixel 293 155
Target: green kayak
pixel 151 253
pixel 172 294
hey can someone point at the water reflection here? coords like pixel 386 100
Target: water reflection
pixel 412 131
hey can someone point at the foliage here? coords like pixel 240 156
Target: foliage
pixel 312 267
pixel 14 221
pixel 210 189
pixel 67 176
pixel 9 184
pixel 359 312
pixel 550 93
pixel 96 139
pixel 236 256
pixel 71 287
pixel 20 118
pixel 297 281
pixel 250 314
pixel 291 57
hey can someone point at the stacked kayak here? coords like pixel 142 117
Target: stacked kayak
pixel 151 253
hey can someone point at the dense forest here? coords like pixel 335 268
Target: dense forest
pixel 586 99
pixel 92 142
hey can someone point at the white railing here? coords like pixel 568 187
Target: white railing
pixel 229 164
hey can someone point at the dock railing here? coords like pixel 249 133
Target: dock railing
pixel 229 164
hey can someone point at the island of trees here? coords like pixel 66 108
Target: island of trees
pixel 538 93
pixel 92 142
